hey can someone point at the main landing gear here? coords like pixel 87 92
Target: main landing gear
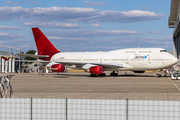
pixel 96 75
pixel 114 74
pixel 103 74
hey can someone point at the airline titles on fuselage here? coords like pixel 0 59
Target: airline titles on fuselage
pixel 141 57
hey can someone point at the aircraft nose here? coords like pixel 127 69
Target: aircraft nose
pixel 175 60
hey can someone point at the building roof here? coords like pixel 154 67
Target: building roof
pixel 173 13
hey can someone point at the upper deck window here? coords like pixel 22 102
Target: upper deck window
pixel 163 50
pixel 144 51
pixel 130 51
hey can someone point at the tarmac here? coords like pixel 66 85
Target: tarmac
pixel 80 85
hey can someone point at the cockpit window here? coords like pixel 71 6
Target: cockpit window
pixel 163 50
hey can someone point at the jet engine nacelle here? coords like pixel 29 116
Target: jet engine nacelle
pixel 58 68
pixel 96 70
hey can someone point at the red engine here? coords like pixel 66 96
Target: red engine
pixel 96 70
pixel 58 68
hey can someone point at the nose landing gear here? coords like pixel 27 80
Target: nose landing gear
pixel 158 74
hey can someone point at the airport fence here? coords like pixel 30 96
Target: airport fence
pixel 87 109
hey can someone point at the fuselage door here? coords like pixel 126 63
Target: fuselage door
pixel 149 60
pixel 127 60
pixel 101 59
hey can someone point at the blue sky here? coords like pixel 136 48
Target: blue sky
pixel 82 25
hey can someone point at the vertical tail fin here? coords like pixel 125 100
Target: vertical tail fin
pixel 44 46
pixel 42 42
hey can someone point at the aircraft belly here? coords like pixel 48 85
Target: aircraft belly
pixel 140 65
pixel 154 65
pixel 145 65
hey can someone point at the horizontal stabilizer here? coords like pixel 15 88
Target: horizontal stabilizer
pixel 35 56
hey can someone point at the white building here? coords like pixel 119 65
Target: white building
pixel 11 53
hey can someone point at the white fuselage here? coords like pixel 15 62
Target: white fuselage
pixel 135 59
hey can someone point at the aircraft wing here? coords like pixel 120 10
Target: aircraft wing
pixel 104 65
pixel 86 65
pixel 83 65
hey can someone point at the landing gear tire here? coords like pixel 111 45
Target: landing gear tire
pixel 93 75
pixel 103 74
pixel 114 74
pixel 158 75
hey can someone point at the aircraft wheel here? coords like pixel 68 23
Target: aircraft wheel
pixel 114 74
pixel 103 74
pixel 158 75
pixel 93 75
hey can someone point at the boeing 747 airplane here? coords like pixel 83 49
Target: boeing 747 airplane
pixel 132 59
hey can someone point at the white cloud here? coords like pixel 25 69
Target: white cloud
pixel 53 25
pixel 88 33
pixel 2 35
pixel 66 38
pixel 13 3
pixel 9 2
pixel 161 42
pixel 136 13
pixel 9 39
pixel 94 3
pixel 157 32
pixel 124 32
pixel 26 46
pixel 2 27
pixel 166 38
pixel 169 43
pixel 70 14
pixel 33 1
pixel 97 26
